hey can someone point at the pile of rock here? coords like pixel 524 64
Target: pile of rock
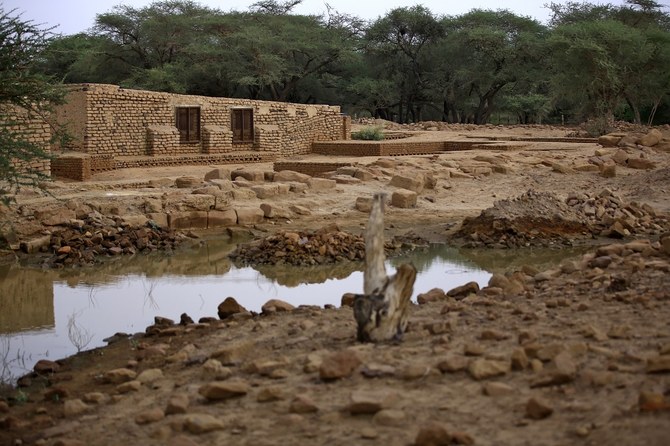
pixel 328 245
pixel 609 216
pixel 542 219
pixel 302 248
pixel 83 242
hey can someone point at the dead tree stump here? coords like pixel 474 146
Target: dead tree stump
pixel 382 311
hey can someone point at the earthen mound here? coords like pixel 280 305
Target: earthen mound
pixel 542 219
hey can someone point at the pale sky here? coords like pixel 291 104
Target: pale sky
pixel 73 16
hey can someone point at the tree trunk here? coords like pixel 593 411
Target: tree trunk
pixel 381 313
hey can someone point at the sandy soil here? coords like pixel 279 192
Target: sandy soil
pixel 579 354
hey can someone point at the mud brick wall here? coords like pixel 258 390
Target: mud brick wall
pixel 102 163
pixel 346 127
pixel 72 167
pixel 32 129
pixel 216 139
pixel 312 169
pixel 110 120
pixel 162 140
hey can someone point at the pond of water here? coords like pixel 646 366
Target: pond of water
pixel 50 314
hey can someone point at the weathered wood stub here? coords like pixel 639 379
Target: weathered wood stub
pixel 382 311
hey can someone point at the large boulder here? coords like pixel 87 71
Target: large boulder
pixel 188 220
pixel 403 199
pixel 288 176
pixel 651 139
pixel 218 174
pixel 249 216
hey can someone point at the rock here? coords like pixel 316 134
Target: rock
pixel 255 176
pixel 339 365
pixel 610 140
pixel 213 369
pixel 287 176
pixel 641 163
pixel 45 366
pixel 433 434
pixel 370 402
pixel 414 370
pixel 658 364
pixel 463 291
pixel 202 423
pixel 403 199
pixel 127 387
pixel 472 349
pixel 462 438
pixel 74 407
pixel 118 376
pixel 487 368
pixel 363 204
pixel 509 286
pixel 221 218
pixel 233 352
pixel 188 182
pixel 268 394
pixel 218 174
pixel 369 433
pixel 390 418
pixel 608 170
pixel 538 409
pixel 300 210
pixel 274 211
pixel 493 335
pixel 453 363
pixel 177 404
pixel 434 295
pixel 409 181
pixel 317 184
pixel 150 376
pixel 95 398
pixel 497 389
pixel 149 416
pixel 519 360
pixel 650 402
pixel 561 370
pixel 264 191
pixel 229 307
pixel 302 404
pixel 217 391
pixel 249 216
pixel 276 306
pixel 651 139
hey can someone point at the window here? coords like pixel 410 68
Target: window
pixel 188 124
pixel 243 125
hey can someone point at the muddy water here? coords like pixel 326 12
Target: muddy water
pixel 51 314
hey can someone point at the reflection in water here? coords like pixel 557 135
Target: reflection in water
pixel 126 294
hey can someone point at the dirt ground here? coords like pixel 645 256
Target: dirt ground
pixel 579 354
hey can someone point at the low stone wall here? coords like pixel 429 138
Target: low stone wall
pixel 312 169
pixel 30 128
pixel 377 148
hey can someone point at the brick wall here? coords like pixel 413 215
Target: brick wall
pixel 74 167
pixel 30 128
pixel 110 120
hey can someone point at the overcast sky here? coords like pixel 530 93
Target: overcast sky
pixel 73 16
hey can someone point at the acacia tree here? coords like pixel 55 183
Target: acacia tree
pixel 483 54
pixel 617 57
pixel 399 42
pixel 25 96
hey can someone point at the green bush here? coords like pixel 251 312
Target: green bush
pixel 375 133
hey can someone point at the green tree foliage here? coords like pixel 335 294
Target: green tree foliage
pixel 25 95
pixel 399 44
pixel 608 59
pixel 591 60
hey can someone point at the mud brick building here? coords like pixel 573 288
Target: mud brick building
pixel 31 128
pixel 114 127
